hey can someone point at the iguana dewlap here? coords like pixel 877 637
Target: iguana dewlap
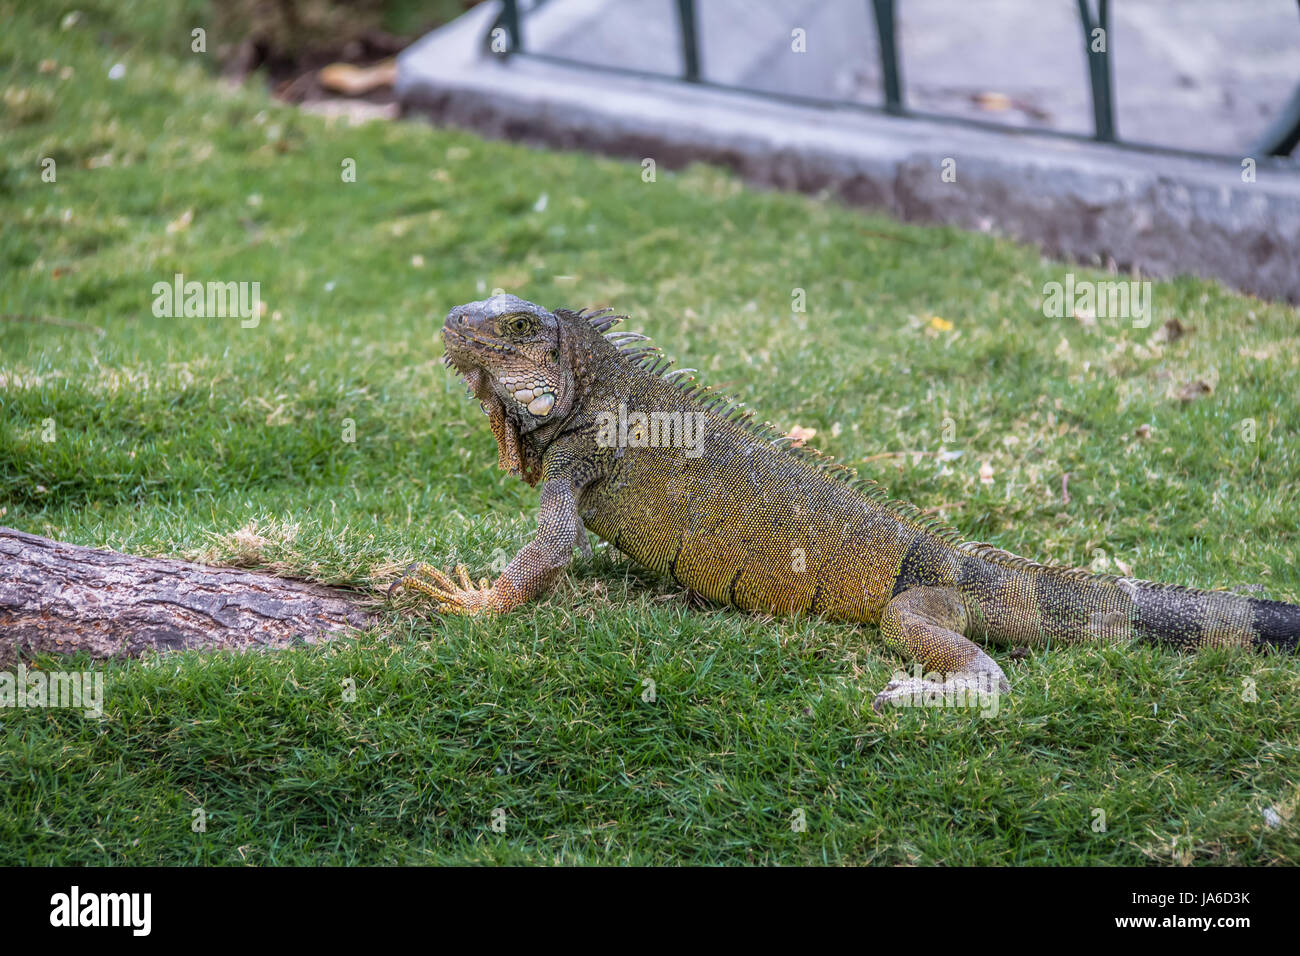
pixel 686 484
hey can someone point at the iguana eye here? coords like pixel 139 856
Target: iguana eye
pixel 519 326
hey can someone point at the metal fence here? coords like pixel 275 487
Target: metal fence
pixel 1280 139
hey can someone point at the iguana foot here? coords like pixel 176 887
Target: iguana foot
pixel 450 597
pixel 976 689
pixel 929 625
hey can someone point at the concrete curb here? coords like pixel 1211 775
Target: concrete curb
pixel 1163 214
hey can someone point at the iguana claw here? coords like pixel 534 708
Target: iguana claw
pixel 400 580
pixel 451 598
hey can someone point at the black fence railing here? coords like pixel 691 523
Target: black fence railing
pixel 1279 139
pixel 1099 73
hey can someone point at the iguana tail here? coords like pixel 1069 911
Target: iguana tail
pixel 1019 600
pixel 948 596
pixel 1189 618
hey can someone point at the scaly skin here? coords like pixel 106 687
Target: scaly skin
pixel 745 521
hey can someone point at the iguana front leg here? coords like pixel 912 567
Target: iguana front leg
pixel 929 625
pixel 532 570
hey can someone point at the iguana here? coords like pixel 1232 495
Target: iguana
pixel 687 484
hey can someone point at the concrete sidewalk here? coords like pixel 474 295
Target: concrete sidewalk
pixel 1163 214
pixel 1203 75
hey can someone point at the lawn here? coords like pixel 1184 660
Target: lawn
pixel 924 359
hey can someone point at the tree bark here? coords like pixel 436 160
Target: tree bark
pixel 65 598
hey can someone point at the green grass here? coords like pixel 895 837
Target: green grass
pixel 172 435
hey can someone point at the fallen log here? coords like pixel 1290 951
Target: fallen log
pixel 65 598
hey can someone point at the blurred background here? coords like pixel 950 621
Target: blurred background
pixel 1199 75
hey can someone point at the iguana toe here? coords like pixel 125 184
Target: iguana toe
pixel 449 596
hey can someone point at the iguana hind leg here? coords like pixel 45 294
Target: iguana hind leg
pixel 929 625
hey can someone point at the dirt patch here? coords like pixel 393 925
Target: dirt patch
pixel 292 41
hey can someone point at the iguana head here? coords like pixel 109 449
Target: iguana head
pixel 513 351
